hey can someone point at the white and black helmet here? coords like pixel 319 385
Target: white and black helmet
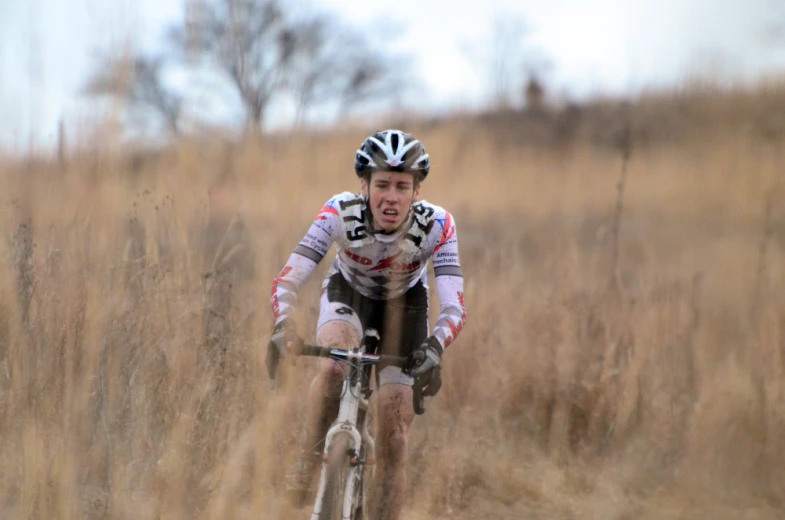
pixel 393 151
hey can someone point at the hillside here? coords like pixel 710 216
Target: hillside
pixel 624 354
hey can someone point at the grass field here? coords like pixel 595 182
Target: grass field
pixel 602 374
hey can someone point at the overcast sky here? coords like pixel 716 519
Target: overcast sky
pixel 46 46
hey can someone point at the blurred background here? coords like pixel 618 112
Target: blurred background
pixel 615 171
pixel 179 66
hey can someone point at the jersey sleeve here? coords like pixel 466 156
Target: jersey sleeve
pixel 449 282
pixel 303 261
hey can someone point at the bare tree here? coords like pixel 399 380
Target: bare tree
pixel 335 65
pixel 313 71
pixel 366 75
pixel 534 93
pixel 263 52
pixel 510 65
pixel 535 68
pixel 137 79
pixel 506 43
pixel 249 40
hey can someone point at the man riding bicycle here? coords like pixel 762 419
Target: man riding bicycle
pixel 384 239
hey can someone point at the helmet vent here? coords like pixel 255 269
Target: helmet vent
pixel 392 150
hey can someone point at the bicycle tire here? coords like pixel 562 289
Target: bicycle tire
pixel 336 477
pixel 359 512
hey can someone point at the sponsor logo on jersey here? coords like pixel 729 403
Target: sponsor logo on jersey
pixel 357 258
pixel 388 263
pixel 385 262
pixel 398 267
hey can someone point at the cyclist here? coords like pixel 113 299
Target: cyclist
pixel 384 238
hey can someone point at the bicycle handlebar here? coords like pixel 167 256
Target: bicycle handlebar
pixel 345 355
pixel 418 400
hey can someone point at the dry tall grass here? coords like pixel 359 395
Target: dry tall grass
pixel 134 315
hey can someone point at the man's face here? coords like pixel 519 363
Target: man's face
pixel 390 195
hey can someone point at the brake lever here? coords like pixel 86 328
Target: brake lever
pixel 418 400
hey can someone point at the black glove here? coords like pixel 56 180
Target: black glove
pixel 424 366
pixel 283 340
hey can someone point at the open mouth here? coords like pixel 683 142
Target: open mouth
pixel 390 214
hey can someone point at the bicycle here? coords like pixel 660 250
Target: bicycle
pixel 349 446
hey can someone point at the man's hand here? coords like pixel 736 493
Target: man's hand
pixel 424 366
pixel 283 340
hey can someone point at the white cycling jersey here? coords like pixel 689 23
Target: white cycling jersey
pixel 379 266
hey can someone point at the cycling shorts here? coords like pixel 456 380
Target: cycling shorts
pixel 402 322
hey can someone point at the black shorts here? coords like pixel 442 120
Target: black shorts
pixel 402 322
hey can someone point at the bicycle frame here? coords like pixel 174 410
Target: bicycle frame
pixel 354 399
pixel 346 423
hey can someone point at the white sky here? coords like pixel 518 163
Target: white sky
pixel 46 46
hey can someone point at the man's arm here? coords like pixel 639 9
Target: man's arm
pixel 302 262
pixel 449 285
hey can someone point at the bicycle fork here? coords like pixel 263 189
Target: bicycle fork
pixel 350 407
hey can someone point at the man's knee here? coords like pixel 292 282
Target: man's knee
pixel 338 334
pixel 395 405
pixel 335 334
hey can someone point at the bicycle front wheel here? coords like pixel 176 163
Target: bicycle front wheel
pixel 337 485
